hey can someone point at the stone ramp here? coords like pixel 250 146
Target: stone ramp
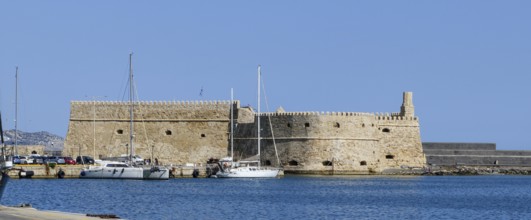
pixel 28 213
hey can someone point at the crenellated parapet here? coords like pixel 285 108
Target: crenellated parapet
pixel 378 115
pixel 156 103
pixel 151 110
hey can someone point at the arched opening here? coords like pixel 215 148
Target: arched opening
pixel 268 163
pixel 119 131
pixel 168 132
pixel 293 163
pixel 386 130
pixel 337 125
pixel 289 125
pixel 307 125
pixel 363 163
pixel 327 163
pixel 390 156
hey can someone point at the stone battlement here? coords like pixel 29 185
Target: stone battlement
pixel 170 103
pixel 377 115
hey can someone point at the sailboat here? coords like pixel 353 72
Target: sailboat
pixel 248 171
pixel 106 169
pixel 6 162
pixel 6 159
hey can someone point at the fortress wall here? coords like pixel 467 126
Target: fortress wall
pixel 307 142
pixel 474 154
pixel 459 146
pixel 173 132
pixel 350 142
pixel 400 142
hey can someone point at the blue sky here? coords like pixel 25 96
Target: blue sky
pixel 468 63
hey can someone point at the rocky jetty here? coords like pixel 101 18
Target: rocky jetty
pixel 467 170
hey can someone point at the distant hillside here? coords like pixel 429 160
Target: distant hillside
pixel 50 141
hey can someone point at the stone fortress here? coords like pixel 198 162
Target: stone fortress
pixel 180 133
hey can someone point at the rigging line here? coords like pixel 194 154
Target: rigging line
pixel 270 124
pixel 141 114
pixel 126 85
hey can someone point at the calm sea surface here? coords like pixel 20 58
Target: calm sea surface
pixel 290 197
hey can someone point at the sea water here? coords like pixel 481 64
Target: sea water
pixel 289 197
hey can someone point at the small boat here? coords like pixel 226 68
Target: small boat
pixel 107 169
pixel 231 169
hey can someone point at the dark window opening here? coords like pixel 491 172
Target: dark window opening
pixel 307 124
pixel 289 125
pixel 168 132
pixel 203 135
pixel 362 125
pixel 293 163
pixel 363 163
pixel 386 130
pixel 268 163
pixel 389 156
pixel 119 131
pixel 337 125
pixel 327 163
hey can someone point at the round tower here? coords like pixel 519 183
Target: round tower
pixel 407 109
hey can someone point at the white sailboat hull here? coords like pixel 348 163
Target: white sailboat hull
pixel 112 173
pixel 156 173
pixel 120 170
pixel 248 172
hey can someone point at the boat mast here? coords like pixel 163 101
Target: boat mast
pixel 231 124
pixel 131 134
pixel 16 111
pixel 258 116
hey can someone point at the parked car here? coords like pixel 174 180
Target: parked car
pixel 86 160
pixel 20 160
pixel 53 159
pixel 46 159
pixel 69 160
pixel 36 160
pixel 61 160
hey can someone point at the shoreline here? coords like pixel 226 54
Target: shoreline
pixel 72 171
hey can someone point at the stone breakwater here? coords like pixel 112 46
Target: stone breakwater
pixel 466 170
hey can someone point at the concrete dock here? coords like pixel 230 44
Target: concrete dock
pixel 28 213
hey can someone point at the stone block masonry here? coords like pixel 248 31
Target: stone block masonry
pixel 172 132
pixel 306 142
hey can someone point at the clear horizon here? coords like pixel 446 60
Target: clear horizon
pixel 467 63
